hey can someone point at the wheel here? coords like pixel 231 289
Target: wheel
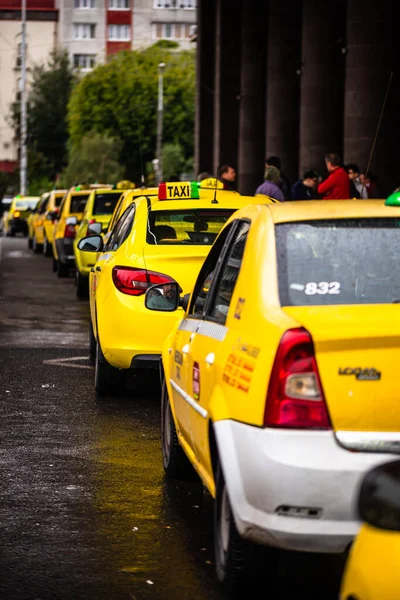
pixel 47 249
pixel 30 243
pixel 54 265
pixel 92 344
pixel 108 381
pixel 233 555
pixel 82 286
pixel 175 462
pixel 35 246
pixel 62 269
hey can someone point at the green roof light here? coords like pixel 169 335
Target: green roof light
pixel 393 199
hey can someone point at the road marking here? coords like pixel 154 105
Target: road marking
pixel 65 362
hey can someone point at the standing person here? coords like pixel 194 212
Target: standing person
pixel 306 188
pixel 337 185
pixel 270 186
pixel 357 189
pixel 227 176
pixel 283 183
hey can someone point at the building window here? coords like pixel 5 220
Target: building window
pixel 118 4
pixel 84 61
pixel 119 32
pixel 171 31
pixel 85 4
pixel 186 4
pixel 84 31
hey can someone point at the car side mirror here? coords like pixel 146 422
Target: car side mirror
pixel 184 302
pixel 71 221
pixel 52 215
pixel 91 243
pixel 379 497
pixel 94 228
pixel 164 297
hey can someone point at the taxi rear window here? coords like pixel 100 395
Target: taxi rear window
pixel 196 227
pixel 58 200
pixel 26 203
pixel 104 204
pixel 78 203
pixel 341 261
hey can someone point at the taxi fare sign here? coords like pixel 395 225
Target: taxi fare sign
pixel 184 190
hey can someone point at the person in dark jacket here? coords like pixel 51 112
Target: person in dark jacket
pixel 337 185
pixel 283 183
pixel 306 188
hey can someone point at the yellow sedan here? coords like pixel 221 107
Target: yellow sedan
pixel 156 240
pixel 280 380
pixel 15 220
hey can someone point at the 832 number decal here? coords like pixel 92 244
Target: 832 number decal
pixel 322 287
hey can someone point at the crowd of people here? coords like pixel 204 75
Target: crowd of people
pixel 342 181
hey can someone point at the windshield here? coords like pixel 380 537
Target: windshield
pixel 104 204
pixel 343 261
pixel 25 203
pixel 197 227
pixel 78 203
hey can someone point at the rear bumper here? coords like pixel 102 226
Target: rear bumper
pixel 18 225
pixel 295 490
pixel 65 251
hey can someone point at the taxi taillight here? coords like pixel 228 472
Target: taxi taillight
pixel 135 282
pixel 295 398
pixel 69 231
pixel 16 214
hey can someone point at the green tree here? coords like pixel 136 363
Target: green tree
pixel 93 159
pixel 173 160
pixel 49 92
pixel 120 99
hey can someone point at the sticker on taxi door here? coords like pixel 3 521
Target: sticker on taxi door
pixel 196 381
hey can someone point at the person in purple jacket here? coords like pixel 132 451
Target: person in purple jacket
pixel 270 186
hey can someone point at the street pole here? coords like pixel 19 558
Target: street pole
pixel 160 111
pixel 23 153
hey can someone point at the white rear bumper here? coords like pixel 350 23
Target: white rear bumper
pixel 267 469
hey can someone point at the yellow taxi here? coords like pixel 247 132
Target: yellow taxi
pixel 157 239
pixel 372 568
pixel 15 220
pixel 44 226
pixel 69 215
pixel 96 217
pixel 280 381
pixel 35 224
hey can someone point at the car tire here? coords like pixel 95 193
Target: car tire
pixel 175 462
pixel 37 248
pixel 62 269
pixel 108 381
pixel 54 265
pixel 92 344
pixel 233 555
pixel 47 249
pixel 82 286
pixel 30 243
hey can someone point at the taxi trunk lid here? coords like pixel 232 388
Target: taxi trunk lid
pixel 182 263
pixel 358 356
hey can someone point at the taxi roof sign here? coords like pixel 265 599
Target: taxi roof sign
pixel 211 182
pixel 181 190
pixel 393 199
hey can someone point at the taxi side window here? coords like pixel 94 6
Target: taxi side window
pixel 122 229
pixel 224 287
pixel 43 205
pixel 208 270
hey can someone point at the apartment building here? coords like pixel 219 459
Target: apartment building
pixel 41 39
pixel 154 20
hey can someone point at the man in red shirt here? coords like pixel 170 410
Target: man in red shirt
pixel 337 185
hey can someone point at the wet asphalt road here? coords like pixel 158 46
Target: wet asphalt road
pixel 85 510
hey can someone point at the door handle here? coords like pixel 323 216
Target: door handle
pixel 185 349
pixel 98 268
pixel 92 270
pixel 210 358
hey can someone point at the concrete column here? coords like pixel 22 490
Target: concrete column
pixel 227 83
pixel 283 85
pixel 322 82
pixel 252 96
pixel 205 76
pixel 372 54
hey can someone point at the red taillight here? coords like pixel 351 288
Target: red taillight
pixel 135 282
pixel 295 398
pixel 88 232
pixel 69 231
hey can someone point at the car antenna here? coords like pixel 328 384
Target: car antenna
pixel 214 200
pixel 142 180
pixel 377 131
